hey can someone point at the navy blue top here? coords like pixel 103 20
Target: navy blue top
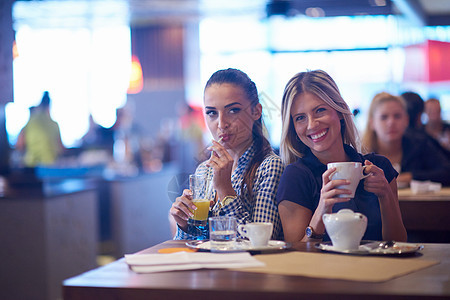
pixel 301 183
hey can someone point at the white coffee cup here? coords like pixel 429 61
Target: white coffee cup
pixel 258 233
pixel 351 171
pixel 345 228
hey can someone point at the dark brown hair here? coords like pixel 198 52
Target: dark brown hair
pixel 262 145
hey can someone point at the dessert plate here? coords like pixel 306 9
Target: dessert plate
pixel 373 248
pixel 240 246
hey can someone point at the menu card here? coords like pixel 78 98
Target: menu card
pixel 336 266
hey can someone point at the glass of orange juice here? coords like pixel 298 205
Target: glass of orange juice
pixel 200 186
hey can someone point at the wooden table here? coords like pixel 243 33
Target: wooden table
pixel 426 216
pixel 117 281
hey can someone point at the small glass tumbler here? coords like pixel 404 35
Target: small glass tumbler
pixel 222 233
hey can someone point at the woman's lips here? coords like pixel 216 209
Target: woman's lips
pixel 224 137
pixel 318 136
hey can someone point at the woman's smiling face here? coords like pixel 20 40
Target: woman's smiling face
pixel 229 115
pixel 316 124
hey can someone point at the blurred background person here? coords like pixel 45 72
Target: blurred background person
pixel 40 139
pixel 413 155
pixel 415 107
pixel 435 126
pixel 98 137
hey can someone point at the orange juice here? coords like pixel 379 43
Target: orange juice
pixel 201 213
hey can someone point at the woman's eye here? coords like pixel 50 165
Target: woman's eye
pixel 321 109
pixel 211 113
pixel 299 118
pixel 235 110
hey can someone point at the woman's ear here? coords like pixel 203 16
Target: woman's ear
pixel 257 111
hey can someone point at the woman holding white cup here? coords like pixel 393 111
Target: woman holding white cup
pixel 318 129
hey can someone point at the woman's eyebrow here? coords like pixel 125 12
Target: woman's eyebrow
pixel 231 104
pixel 226 106
pixel 297 114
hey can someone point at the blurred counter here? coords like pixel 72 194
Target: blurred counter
pixel 55 224
pixel 48 233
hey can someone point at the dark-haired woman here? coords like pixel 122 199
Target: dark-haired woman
pixel 245 170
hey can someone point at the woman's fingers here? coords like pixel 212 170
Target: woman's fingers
pixel 219 151
pixel 180 208
pixel 333 191
pixel 326 175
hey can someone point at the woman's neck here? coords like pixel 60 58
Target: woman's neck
pixel 237 153
pixel 337 155
pixel 392 150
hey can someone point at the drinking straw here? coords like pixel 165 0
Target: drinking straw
pixel 209 177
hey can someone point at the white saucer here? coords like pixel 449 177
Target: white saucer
pixel 240 246
pixel 370 248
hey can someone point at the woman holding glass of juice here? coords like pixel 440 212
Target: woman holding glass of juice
pixel 243 170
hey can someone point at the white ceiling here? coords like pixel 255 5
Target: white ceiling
pixel 74 12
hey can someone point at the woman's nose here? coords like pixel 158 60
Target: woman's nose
pixel 223 122
pixel 312 122
pixel 390 121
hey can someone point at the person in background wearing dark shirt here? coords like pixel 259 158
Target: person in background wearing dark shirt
pixel 415 107
pixel 435 126
pixel 413 154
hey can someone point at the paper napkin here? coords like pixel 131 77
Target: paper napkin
pixel 149 263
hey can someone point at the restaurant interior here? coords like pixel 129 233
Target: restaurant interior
pixel 126 80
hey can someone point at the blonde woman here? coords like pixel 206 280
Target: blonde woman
pixel 318 129
pixel 414 156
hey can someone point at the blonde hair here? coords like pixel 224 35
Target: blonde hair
pixel 370 139
pixel 320 84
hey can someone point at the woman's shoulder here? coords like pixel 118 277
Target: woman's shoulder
pixel 384 163
pixel 376 159
pixel 272 160
pixel 298 169
pixel 271 157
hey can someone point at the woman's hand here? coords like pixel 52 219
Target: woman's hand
pixel 376 182
pixel 391 217
pixel 222 164
pixel 329 194
pixel 180 209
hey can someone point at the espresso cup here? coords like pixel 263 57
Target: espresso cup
pixel 351 171
pixel 258 233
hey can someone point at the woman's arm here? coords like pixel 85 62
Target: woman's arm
pixel 262 207
pixel 391 218
pixel 295 218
